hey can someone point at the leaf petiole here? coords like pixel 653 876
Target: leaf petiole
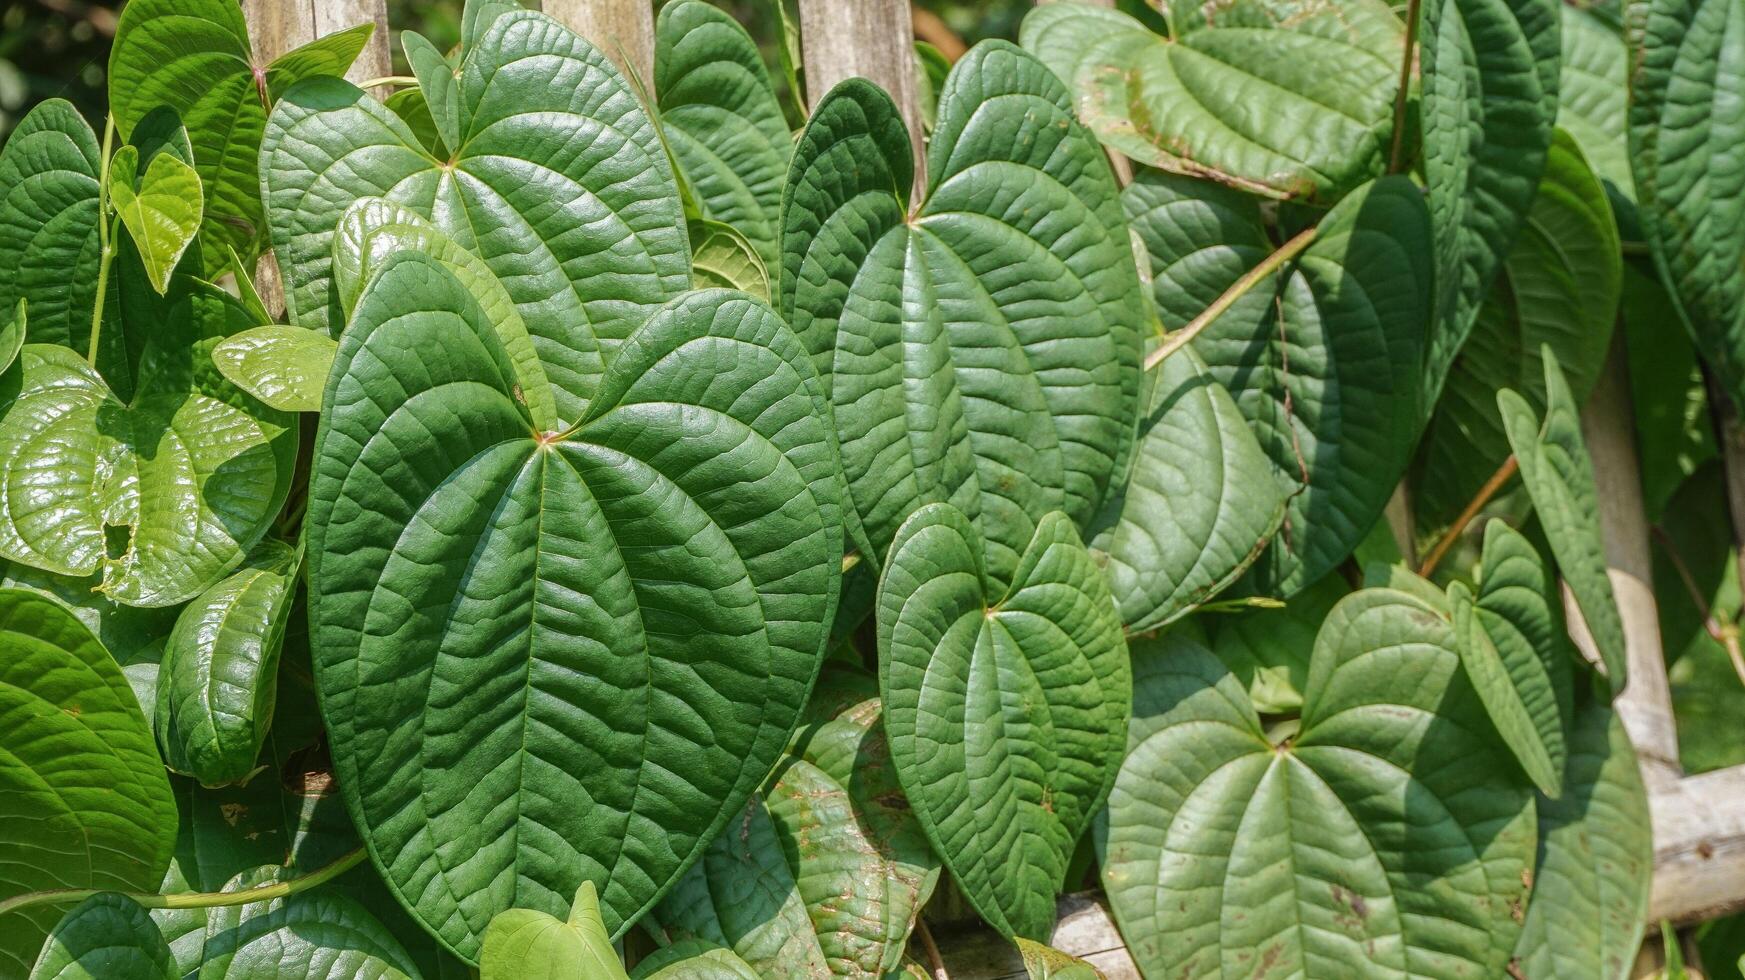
pixel 1238 289
pixel 105 238
pixel 197 900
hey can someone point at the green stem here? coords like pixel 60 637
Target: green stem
pixel 105 238
pixel 196 900
pixel 1253 277
pixel 1397 151
pixel 389 81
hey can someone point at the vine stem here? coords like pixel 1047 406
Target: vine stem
pixel 1476 504
pixel 935 962
pixel 1241 287
pixel 197 900
pixel 389 81
pixel 105 239
pixel 1397 151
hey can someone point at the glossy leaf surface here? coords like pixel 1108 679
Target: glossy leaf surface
pixel 315 935
pixel 86 804
pixel 1006 708
pixel 1376 841
pixel 652 589
pixel 285 367
pixel 160 207
pixel 48 221
pixel 522 944
pixel 105 937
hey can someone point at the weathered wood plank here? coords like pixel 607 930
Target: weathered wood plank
pixel 622 29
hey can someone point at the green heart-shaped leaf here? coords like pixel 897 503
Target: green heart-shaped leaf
pixel 1560 479
pixel 1596 860
pixel 106 937
pixel 585 232
pixel 726 129
pixel 1046 963
pixel 218 679
pixel 1686 87
pixel 1511 643
pixel 164 494
pixel 439 83
pixel 48 222
pixel 80 762
pixel 1006 708
pixel 1559 288
pixel 1593 94
pixel 984 353
pixel 1277 98
pixel 1199 505
pixel 1376 839
pixel 1489 100
pixel 522 944
pixel 161 208
pixel 826 874
pixel 284 367
pixel 695 959
pixel 722 257
pixel 536 591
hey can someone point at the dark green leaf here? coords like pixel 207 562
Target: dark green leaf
pixel 312 935
pixel 106 937
pixel 1269 649
pixel 439 82
pixel 1006 708
pixel 89 804
pixel 48 222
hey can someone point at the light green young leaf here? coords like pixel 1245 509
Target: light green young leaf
pixel 726 129
pixel 1280 99
pixel 722 257
pixel 439 83
pixel 1199 504
pixel 587 235
pixel 1376 840
pixel 824 876
pixel 1511 644
pixel 285 367
pixel 1560 479
pixel 163 494
pixel 161 209
pixel 1559 288
pixel 1006 708
pixel 984 353
pixel 1687 122
pixel 1596 860
pixel 1046 963
pixel 524 944
pixel 80 761
pixel 105 937
pixel 48 222
pixel 663 575
pixel 218 680
pixel 1489 70
pixel 194 57
pixel 695 959
pixel 1593 94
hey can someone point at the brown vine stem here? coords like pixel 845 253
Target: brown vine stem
pixel 1725 634
pixel 197 900
pixel 935 962
pixel 1253 277
pixel 1397 151
pixel 1476 504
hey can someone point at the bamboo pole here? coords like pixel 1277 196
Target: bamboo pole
pixel 871 39
pixel 622 29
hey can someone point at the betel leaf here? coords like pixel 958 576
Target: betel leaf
pixel 1596 858
pixel 516 631
pixel 1269 649
pixel 1490 70
pixel 1687 124
pixel 1560 479
pixel 314 935
pixel 1006 708
pixel 1510 640
pixel 1046 963
pixel 694 959
pixel 524 944
pixel 285 367
pixel 163 494
pixel 161 208
pixel 1593 94
pixel 985 352
pixel 722 257
pixel 86 804
pixel 1198 505
pixel 560 183
pixel 1281 99
pixel 726 129
pixel 1200 238
pixel 194 56
pixel 373 229
pixel 1376 840
pixel 825 875
pixel 439 83
pixel 218 679
pixel 105 937
pixel 48 222
pixel 1560 287
pixel 1329 375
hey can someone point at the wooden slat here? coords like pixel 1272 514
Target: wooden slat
pixel 623 29
pixel 871 39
